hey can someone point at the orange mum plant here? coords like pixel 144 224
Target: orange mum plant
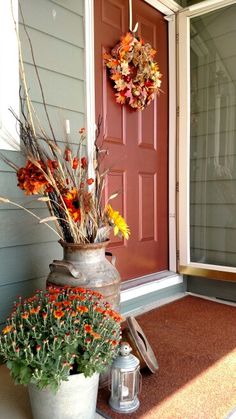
pixel 59 332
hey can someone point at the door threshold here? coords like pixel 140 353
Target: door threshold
pixel 146 284
pixel 144 294
pixel 144 308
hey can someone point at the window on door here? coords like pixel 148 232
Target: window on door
pixel 208 139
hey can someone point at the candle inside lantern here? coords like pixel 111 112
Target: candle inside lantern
pixel 124 391
pixel 67 126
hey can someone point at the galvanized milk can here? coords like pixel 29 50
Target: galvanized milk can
pixel 86 265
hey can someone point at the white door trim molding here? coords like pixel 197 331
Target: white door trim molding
pixel 90 82
pixel 206 6
pixel 172 143
pixel 167 7
pixel 183 137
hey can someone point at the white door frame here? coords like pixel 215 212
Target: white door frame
pixel 89 81
pixel 164 7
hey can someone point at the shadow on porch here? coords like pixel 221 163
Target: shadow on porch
pixel 195 344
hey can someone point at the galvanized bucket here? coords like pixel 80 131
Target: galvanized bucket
pixel 75 399
pixel 86 265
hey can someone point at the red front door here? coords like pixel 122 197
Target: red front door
pixel 137 142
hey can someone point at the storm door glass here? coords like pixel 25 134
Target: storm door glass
pixel 213 137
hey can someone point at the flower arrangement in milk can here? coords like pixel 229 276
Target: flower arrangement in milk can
pixel 57 173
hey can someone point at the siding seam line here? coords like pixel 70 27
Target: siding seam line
pixel 55 72
pixel 66 8
pixel 52 36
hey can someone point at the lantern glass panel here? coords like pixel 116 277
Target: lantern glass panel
pixel 115 383
pixel 127 389
pixel 137 381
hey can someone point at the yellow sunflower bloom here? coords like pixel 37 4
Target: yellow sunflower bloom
pixel 120 225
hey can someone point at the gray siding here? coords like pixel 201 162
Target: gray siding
pixel 57 33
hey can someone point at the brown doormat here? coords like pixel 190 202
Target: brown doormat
pixel 194 341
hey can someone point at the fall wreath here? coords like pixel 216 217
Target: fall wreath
pixel 135 74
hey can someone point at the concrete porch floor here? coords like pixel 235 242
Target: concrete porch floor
pixel 14 400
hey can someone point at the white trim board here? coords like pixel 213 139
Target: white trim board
pixel 167 7
pixel 90 83
pixel 206 6
pixel 9 75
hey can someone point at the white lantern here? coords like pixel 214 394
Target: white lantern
pixel 125 381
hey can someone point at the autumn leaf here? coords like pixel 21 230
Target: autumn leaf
pixel 120 98
pixel 106 56
pixel 116 76
pixel 127 39
pixel 126 48
pixel 113 63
